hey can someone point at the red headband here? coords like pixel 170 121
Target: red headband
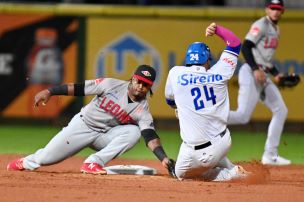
pixel 143 79
pixel 276 6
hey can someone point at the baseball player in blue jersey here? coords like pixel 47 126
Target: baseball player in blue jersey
pixel 112 123
pixel 254 80
pixel 199 93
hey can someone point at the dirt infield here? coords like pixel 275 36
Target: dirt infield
pixel 64 182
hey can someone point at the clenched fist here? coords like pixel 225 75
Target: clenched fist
pixel 42 97
pixel 210 30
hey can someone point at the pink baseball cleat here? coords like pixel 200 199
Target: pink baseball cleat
pixel 92 168
pixel 15 165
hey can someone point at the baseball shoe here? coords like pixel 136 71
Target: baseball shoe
pixel 219 174
pixel 275 161
pixel 15 165
pixel 240 172
pixel 93 168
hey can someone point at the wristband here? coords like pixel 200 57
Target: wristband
pixel 159 153
pixel 148 135
pixel 59 90
pixel 273 71
pixel 79 89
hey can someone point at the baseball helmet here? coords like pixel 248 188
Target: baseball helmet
pixel 197 54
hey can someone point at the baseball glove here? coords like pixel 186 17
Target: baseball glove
pixel 171 168
pixel 289 80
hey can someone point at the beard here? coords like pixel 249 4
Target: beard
pixel 136 95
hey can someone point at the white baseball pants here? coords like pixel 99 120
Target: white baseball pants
pixel 249 94
pixel 201 163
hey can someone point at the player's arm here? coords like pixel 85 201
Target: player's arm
pixel 171 102
pixel 256 32
pixel 232 41
pixel 169 93
pixel 152 141
pixel 72 89
pixel 249 58
pixel 248 54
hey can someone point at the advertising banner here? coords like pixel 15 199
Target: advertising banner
pixel 36 52
pixel 115 46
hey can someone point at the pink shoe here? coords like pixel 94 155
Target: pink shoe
pixel 15 165
pixel 92 168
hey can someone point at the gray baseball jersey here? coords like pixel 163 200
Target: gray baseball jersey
pixel 107 124
pixel 110 107
pixel 265 35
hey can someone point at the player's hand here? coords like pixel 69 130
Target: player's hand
pixel 210 30
pixel 259 76
pixel 170 165
pixel 42 98
pixel 278 77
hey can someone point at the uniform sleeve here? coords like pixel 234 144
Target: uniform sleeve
pixel 232 41
pixel 146 121
pixel 256 32
pixel 97 86
pixel 169 91
pixel 226 65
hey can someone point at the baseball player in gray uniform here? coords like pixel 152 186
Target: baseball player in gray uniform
pixel 112 123
pixel 254 81
pixel 200 95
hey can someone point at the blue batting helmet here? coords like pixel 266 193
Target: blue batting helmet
pixel 197 53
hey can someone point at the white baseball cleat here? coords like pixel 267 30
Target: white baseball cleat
pixel 240 172
pixel 275 161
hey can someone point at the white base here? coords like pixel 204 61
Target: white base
pixel 130 170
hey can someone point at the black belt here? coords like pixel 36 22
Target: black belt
pixel 207 144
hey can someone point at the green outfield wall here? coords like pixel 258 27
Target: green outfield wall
pixel 110 41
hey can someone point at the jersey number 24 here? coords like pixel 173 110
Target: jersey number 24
pixel 198 100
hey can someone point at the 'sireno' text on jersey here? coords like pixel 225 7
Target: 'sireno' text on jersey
pixel 188 79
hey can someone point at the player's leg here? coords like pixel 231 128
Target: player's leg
pixel 114 143
pixel 248 97
pixel 225 163
pixel 225 174
pixel 70 140
pixel 224 169
pixel 274 101
pixel 185 163
pixel 221 172
pixel 193 163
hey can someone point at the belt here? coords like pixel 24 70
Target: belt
pixel 207 144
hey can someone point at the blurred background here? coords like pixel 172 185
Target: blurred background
pixel 236 3
pixel 46 43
